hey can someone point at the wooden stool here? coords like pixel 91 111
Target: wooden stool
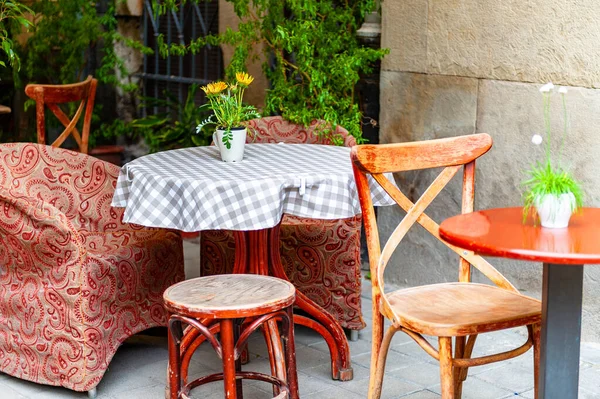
pixel 236 305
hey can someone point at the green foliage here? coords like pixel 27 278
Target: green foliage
pixel 63 34
pixel 173 128
pixel 228 109
pixel 12 15
pixel 317 57
pixel 547 177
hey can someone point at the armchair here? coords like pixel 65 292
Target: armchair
pixel 75 281
pixel 320 257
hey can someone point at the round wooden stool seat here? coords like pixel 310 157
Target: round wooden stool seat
pixel 229 296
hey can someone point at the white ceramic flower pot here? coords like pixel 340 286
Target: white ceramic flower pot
pixel 555 211
pixel 235 153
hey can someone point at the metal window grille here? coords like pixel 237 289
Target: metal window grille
pixel 175 74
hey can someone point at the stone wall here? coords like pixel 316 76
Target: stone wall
pixel 464 66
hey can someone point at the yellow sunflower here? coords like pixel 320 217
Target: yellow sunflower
pixel 243 78
pixel 214 88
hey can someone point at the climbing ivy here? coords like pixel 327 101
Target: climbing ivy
pixel 314 57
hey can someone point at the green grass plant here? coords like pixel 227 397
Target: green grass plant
pixel 548 177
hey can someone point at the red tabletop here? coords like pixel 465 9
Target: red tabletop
pixel 501 232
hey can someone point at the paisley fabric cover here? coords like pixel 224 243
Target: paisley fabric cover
pixel 321 257
pixel 75 282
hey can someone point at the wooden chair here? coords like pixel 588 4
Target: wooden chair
pixel 51 96
pixel 459 310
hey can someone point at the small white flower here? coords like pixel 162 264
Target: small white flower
pixel 547 87
pixel 536 139
pixel 563 90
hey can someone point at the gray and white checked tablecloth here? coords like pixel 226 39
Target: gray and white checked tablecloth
pixel 192 189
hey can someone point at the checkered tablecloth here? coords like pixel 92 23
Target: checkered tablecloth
pixel 192 189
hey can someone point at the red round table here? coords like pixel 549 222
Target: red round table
pixel 503 233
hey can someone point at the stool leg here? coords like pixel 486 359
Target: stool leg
pixel 237 330
pixel 175 334
pixel 276 357
pixel 228 357
pixel 290 353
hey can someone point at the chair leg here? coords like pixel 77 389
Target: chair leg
pixel 375 347
pixel 459 353
pixel 446 372
pixel 536 336
pixel 461 376
pixel 376 384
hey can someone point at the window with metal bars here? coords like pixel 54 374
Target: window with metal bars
pixel 175 74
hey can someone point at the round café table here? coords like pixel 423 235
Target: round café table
pixel 503 233
pixel 192 189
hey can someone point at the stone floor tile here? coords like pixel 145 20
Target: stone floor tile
pixel 589 379
pixel 474 388
pixel 423 374
pixel 306 336
pixel 156 391
pixel 590 353
pixel 323 372
pixel 585 394
pixel 333 393
pixel 394 361
pixel 392 387
pixel 513 378
pixel 527 394
pixel 62 393
pixel 15 386
pixel 357 348
pixel 425 394
pixel 413 351
pixel 7 392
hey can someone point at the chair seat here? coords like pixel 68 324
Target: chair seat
pixel 229 296
pixel 459 309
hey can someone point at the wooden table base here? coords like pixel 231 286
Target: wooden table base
pixel 561 331
pixel 257 251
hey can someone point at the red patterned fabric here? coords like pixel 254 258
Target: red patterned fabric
pixel 75 281
pixel 321 257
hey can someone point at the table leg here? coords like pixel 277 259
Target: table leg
pixel 320 320
pixel 257 251
pixel 561 331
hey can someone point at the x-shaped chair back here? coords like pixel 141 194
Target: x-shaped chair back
pixel 51 96
pixel 452 154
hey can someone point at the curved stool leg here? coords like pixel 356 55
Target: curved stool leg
pixel 290 353
pixel 229 363
pixel 174 379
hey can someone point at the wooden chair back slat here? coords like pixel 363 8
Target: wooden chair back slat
pixel 402 157
pixel 376 160
pixel 52 95
pixel 413 212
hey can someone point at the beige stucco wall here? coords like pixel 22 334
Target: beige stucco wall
pixel 464 66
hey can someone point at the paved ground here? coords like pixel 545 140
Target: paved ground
pixel 138 369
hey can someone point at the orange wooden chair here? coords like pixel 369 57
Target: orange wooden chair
pixel 460 310
pixel 51 96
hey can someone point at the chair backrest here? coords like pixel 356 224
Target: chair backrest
pixel 51 96
pixel 78 185
pixel 452 154
pixel 275 129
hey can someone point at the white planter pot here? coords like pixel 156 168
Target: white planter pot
pixel 235 153
pixel 555 211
